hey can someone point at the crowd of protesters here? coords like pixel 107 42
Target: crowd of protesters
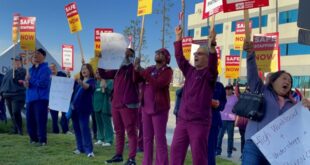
pixel 134 97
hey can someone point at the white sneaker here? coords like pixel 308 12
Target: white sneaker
pixel 77 152
pixel 69 133
pixel 90 155
pixel 99 142
pixel 106 144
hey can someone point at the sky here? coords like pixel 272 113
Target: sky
pixel 52 28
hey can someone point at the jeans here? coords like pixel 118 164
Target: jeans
pixel 252 155
pixel 212 144
pixel 36 117
pixel 242 134
pixel 229 126
pixel 63 122
pixel 82 133
pixel 15 107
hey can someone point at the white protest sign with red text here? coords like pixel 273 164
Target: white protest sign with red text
pixel 67 57
pixel 266 48
pixel 211 7
pixel 234 5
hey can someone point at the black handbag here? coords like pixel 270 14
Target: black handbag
pixel 250 105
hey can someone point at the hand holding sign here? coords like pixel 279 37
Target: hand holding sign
pixel 137 64
pixel 306 102
pixel 248 47
pixel 178 33
pixel 212 37
pixel 212 41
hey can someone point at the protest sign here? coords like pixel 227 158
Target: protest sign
pixel 73 17
pixel 232 66
pixel 28 33
pixel 211 7
pixel 67 57
pixel 113 47
pixel 15 28
pixel 98 31
pixel 145 7
pixel 285 140
pixel 186 46
pixel 60 93
pixel 219 65
pixel 240 34
pixel 266 48
pixel 234 5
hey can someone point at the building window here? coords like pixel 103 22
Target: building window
pixel 205 29
pixel 218 28
pixel 255 22
pixel 191 33
pixel 288 16
pixel 234 52
pixel 294 49
pixel 283 49
pixel 301 81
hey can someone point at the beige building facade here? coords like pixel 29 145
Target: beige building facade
pixel 295 58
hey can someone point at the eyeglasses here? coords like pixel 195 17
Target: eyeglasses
pixel 199 53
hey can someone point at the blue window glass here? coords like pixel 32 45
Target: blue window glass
pixel 294 49
pixel 288 16
pixel 301 81
pixel 218 28
pixel 298 49
pixel 283 49
pixel 255 22
pixel 233 25
pixel 293 15
pixel 234 52
pixel 191 33
pixel 283 17
pixel 204 31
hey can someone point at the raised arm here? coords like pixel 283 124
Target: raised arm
pixel 137 69
pixel 183 64
pixel 212 63
pixel 254 82
pixel 107 74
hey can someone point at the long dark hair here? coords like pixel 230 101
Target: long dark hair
pixel 274 76
pixel 90 69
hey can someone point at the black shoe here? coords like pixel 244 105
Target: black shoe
pixel 139 149
pixel 115 159
pixel 130 162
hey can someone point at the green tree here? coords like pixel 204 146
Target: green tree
pixel 134 30
pixel 164 8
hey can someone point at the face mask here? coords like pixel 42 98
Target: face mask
pixel 131 59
